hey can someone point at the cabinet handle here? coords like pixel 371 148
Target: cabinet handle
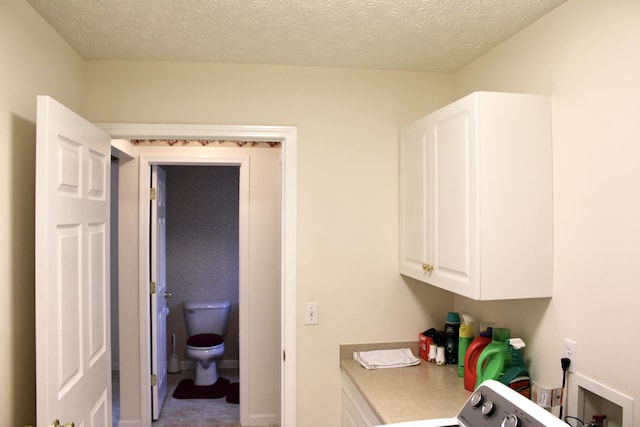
pixel 427 267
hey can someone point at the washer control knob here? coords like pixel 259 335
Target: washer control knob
pixel 477 399
pixel 511 421
pixel 488 408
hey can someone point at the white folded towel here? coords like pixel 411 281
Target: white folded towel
pixel 379 359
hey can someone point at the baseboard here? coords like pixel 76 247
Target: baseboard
pixel 228 364
pixel 264 420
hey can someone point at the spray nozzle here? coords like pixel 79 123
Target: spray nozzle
pixel 467 319
pixel 516 343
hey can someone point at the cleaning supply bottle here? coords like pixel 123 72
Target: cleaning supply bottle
pixel 464 340
pixel 495 358
pixel 451 331
pixel 517 376
pixel 476 347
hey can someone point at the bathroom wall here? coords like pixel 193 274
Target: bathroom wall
pixel 202 246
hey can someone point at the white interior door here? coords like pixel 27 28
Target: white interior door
pixel 159 308
pixel 73 357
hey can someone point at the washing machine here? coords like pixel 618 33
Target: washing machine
pixel 493 404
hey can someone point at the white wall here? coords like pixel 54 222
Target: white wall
pixel 347 188
pixel 586 55
pixel 35 61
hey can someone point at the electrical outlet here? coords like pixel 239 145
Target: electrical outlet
pixel 569 351
pixel 311 313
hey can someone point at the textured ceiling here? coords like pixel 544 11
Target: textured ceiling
pixel 421 35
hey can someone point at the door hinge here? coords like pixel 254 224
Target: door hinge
pixel 152 194
pixel 152 288
pixel 284 356
pixel 154 380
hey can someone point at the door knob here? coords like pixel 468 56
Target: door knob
pixel 427 267
pixel 56 423
pixel 168 294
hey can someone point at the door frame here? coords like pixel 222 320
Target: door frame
pixel 287 136
pixel 210 159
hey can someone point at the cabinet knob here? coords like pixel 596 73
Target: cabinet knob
pixel 427 267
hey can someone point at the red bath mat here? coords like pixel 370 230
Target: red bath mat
pixel 188 390
pixel 233 393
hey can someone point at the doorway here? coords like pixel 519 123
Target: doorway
pixel 133 356
pixel 259 259
pixel 202 263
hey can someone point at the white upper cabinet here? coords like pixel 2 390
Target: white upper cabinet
pixel 476 197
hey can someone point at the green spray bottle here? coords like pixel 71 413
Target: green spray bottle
pixel 517 376
pixel 495 357
pixel 502 361
pixel 465 337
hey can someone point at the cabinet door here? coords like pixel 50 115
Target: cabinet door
pixel 415 203
pixel 453 216
pixel 356 412
pixel 350 415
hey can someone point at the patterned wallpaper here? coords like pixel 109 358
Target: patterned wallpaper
pixel 202 246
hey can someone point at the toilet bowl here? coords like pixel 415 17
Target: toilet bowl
pixel 204 349
pixel 206 325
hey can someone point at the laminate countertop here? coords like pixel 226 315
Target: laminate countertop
pixel 425 391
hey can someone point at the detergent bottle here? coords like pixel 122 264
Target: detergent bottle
pixel 517 376
pixel 495 357
pixel 465 338
pixel 471 357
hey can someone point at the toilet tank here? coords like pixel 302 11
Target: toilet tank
pixel 206 317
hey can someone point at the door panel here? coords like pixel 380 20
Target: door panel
pixel 73 365
pixel 415 207
pixel 453 226
pixel 158 299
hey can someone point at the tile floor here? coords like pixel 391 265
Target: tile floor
pixel 190 412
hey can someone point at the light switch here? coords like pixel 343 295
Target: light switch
pixel 311 313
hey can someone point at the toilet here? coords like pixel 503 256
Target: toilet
pixel 206 325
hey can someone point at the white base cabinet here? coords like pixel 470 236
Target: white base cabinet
pixel 476 197
pixel 356 412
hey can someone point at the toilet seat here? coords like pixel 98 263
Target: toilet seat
pixel 204 349
pixel 205 341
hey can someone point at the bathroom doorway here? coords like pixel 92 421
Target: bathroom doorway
pixel 252 181
pixel 133 258
pixel 202 259
pixel 202 248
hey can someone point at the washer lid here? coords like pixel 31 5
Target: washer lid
pixel 199 305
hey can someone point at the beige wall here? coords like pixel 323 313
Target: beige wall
pixel 586 55
pixel 34 61
pixel 347 188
